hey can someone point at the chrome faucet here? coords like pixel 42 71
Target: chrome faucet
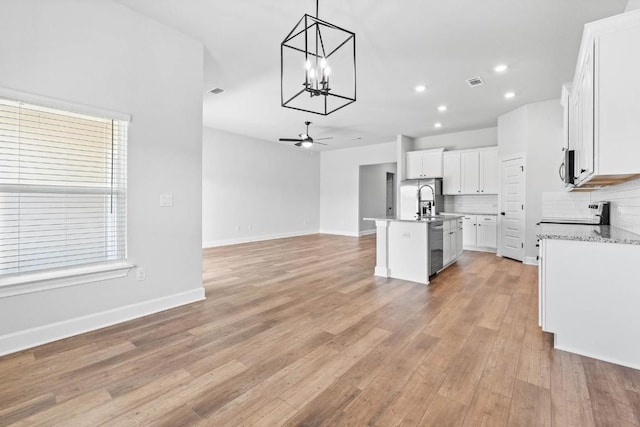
pixel 420 198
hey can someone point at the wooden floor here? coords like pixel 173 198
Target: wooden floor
pixel 299 332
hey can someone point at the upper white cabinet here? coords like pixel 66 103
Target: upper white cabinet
pixel 424 164
pixel 602 123
pixel 489 171
pixel 470 165
pixel 452 174
pixel 471 171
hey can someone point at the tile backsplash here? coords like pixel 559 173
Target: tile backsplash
pixel 624 198
pixel 625 204
pixel 566 205
pixel 471 204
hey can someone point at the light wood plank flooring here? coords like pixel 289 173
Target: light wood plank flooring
pixel 299 332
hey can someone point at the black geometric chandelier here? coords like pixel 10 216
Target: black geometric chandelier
pixel 318 67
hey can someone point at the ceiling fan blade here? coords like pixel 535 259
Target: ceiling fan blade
pixel 322 139
pixel 289 140
pixel 321 143
pixel 298 144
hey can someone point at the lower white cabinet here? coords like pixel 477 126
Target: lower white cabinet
pixel 487 231
pixel 452 236
pixel 588 298
pixel 480 232
pixel 459 237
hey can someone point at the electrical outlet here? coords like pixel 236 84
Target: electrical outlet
pixel 166 200
pixel 237 228
pixel 141 273
pixel 250 227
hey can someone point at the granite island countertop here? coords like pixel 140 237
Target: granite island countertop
pixel 587 233
pixel 427 220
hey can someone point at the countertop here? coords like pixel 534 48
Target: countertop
pixel 471 213
pixel 587 233
pixel 438 218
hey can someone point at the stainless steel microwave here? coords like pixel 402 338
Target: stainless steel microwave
pixel 567 168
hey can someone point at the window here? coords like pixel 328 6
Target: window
pixel 62 189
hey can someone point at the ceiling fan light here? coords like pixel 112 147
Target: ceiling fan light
pixel 307 144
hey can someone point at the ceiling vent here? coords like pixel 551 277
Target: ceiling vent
pixel 216 91
pixel 475 81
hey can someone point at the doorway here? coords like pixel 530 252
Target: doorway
pixel 391 194
pixel 512 212
pixel 377 194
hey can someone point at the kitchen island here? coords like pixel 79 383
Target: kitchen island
pixel 416 249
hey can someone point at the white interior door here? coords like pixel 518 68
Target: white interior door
pixel 512 225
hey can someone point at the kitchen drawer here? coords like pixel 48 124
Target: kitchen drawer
pixel 487 219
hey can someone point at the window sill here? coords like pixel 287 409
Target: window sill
pixel 42 281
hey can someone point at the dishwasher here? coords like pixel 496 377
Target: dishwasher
pixel 436 254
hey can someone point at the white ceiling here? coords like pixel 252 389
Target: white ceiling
pixel 400 44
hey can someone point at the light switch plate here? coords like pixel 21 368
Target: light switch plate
pixel 166 200
pixel 141 273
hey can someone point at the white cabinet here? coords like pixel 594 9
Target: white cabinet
pixel 425 164
pixel 470 162
pixel 471 172
pixel 459 236
pixel 603 107
pixel 452 235
pixel 447 250
pixel 487 231
pixel 469 230
pixel 452 174
pixel 480 232
pixel 589 297
pixel 489 171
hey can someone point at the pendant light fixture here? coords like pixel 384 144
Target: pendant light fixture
pixel 317 66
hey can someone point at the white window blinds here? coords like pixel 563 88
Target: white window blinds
pixel 62 188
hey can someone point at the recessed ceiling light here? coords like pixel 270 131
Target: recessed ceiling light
pixel 438 125
pixel 421 88
pixel 500 68
pixel 442 108
pixel 216 91
pixel 509 95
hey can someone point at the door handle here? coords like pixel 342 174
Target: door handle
pixel 502 213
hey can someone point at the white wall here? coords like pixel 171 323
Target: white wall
pixel 458 140
pixel 512 132
pixel 257 190
pixel 339 185
pixel 534 130
pixel 373 193
pixel 632 5
pixel 544 156
pixel 102 54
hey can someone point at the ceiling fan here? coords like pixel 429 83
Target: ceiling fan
pixel 305 139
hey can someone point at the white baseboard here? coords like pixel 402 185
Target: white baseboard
pixel 530 260
pixel 250 239
pixel 340 233
pixel 479 249
pixel 33 337
pixel 558 345
pixel 368 232
pixel 381 272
